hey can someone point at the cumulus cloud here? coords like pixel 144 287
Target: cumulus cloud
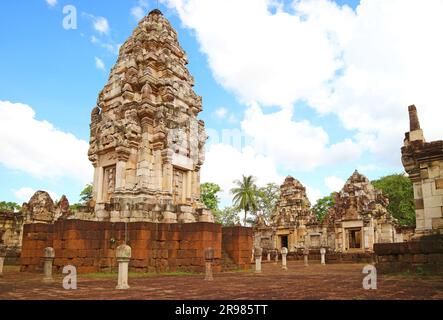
pixel 99 64
pixel 51 3
pixel 365 66
pixel 296 145
pixel 38 148
pixel 25 194
pixel 100 24
pixel 334 184
pixel 224 164
pixel 140 10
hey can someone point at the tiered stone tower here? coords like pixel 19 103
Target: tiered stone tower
pixel 147 144
pixel 293 207
pixel 423 161
pixel 360 217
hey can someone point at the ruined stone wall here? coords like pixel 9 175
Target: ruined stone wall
pixel 90 246
pixel 423 161
pixel 11 226
pixel 238 243
pixel 424 254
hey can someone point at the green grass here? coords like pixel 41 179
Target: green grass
pixel 419 273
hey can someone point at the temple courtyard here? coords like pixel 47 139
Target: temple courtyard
pixel 315 282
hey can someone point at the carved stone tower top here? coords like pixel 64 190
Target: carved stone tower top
pixel 147 145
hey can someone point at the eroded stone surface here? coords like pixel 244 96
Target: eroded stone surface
pixel 423 161
pixel 147 143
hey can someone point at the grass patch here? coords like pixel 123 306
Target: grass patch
pixel 418 273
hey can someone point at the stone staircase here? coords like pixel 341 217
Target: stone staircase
pixel 226 263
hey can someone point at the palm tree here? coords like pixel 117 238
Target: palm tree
pixel 245 195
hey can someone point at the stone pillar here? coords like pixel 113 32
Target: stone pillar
pixel 2 259
pixel 123 257
pixel 269 256
pixel 49 255
pixel 100 177
pixel 276 256
pixel 306 256
pixel 323 253
pixel 189 185
pixel 258 253
pixel 120 174
pixel 209 259
pixel 284 252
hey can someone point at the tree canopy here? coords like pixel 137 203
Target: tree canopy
pixel 322 206
pixel 208 193
pixel 86 194
pixel 245 195
pixel 398 188
pixel 267 200
pixel 9 206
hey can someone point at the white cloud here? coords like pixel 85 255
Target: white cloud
pixel 224 164
pixel 99 64
pixel 313 194
pixel 297 145
pixel 365 66
pixel 109 46
pixel 51 3
pixel 221 113
pixel 38 148
pixel 139 11
pixel 334 184
pixel 25 194
pixel 101 25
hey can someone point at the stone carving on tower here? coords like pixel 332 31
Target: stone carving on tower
pixel 147 143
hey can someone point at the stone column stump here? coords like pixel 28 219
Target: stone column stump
pixel 269 256
pixel 49 255
pixel 306 256
pixel 284 253
pixel 258 254
pixel 123 255
pixel 2 259
pixel 209 259
pixel 323 253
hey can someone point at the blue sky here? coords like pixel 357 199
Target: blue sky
pixel 54 72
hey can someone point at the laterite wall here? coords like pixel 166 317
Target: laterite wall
pixel 90 246
pixel 237 243
pixel 425 254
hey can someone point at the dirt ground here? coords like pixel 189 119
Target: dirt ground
pixel 316 282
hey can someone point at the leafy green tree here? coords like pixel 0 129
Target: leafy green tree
pixel 245 195
pixel 322 206
pixel 86 194
pixel 398 188
pixel 208 192
pixel 9 206
pixel 267 200
pixel 227 217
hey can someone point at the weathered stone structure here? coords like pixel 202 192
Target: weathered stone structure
pixel 147 144
pixel 293 213
pixel 423 161
pixel 358 219
pixel 11 232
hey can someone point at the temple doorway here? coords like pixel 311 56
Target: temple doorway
pixel 354 238
pixel 284 241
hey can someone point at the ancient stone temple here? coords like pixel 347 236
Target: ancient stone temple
pixel 423 161
pixel 147 143
pixel 359 217
pixel 288 225
pixel 357 221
